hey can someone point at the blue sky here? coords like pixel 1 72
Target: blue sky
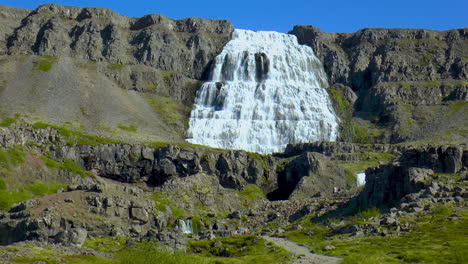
pixel 331 15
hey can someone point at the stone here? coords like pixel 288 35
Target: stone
pixel 328 248
pixel 72 237
pixel 139 214
pixel 235 215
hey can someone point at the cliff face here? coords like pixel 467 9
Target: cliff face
pixel 405 79
pixel 68 50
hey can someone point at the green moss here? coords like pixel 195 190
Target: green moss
pixel 3 185
pixel 178 213
pixel 68 164
pixel 117 66
pixel 342 106
pixel 106 243
pixel 161 201
pixel 250 194
pixel 259 158
pixel 361 134
pixel 8 121
pixel 131 128
pixel 76 137
pixel 44 63
pixel 367 160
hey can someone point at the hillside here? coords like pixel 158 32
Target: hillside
pixel 94 166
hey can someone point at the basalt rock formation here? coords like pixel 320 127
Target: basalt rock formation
pixel 407 80
pixel 110 70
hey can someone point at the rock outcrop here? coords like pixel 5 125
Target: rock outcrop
pixel 415 170
pixel 109 70
pixel 405 78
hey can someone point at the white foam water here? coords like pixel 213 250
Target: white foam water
pixel 265 91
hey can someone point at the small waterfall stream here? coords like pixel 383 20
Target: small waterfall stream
pixel 185 226
pixel 265 91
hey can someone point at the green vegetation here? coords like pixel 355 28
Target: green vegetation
pixel 26 192
pixel 44 63
pixel 48 256
pixel 161 201
pixel 239 249
pixel 435 239
pixel 366 160
pixel 171 111
pixel 178 213
pixel 106 243
pixel 260 158
pixel 131 128
pixel 250 194
pixel 148 253
pixel 12 157
pixel 117 66
pixel 455 107
pixel 8 121
pixel 76 137
pixel 68 164
pixel 168 76
pixel 342 106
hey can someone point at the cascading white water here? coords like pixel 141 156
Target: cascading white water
pixel 185 226
pixel 361 178
pixel 265 91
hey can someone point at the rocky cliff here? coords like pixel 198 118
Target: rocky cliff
pixel 412 83
pixel 109 70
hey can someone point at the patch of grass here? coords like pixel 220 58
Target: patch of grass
pixel 151 253
pixel 171 111
pixel 106 243
pixel 250 194
pixel 240 249
pixel 367 160
pixel 259 158
pixel 161 202
pixel 9 197
pixel 3 185
pixel 44 63
pixel 130 128
pixel 117 66
pixel 435 239
pixel 12 157
pixel 455 107
pixel 36 259
pixel 39 188
pixel 68 164
pixel 178 213
pixel 86 259
pixel 76 137
pixel 342 106
pixel 8 121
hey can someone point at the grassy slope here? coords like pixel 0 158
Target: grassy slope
pixel 435 239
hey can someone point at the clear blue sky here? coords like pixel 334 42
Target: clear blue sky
pixel 329 15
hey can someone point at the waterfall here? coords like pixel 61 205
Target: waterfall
pixel 361 178
pixel 185 226
pixel 264 92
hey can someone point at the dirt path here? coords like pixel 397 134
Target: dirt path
pixel 308 257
